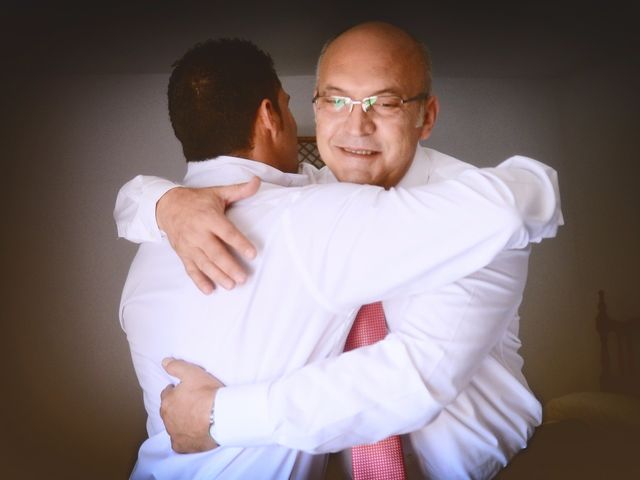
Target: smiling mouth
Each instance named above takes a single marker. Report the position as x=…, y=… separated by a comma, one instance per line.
x=354, y=151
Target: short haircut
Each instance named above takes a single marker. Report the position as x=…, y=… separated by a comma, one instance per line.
x=214, y=93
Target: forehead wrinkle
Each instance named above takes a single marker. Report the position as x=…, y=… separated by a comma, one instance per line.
x=334, y=89
x=370, y=76
x=341, y=92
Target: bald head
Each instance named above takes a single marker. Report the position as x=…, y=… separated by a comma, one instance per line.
x=384, y=42
x=373, y=63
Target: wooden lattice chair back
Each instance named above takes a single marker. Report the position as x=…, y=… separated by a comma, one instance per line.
x=308, y=151
x=622, y=338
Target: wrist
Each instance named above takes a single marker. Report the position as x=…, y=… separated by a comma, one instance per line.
x=212, y=420
x=163, y=206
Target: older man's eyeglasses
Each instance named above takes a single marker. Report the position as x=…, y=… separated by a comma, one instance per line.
x=383, y=105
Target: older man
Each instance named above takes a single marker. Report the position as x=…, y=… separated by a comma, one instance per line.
x=449, y=371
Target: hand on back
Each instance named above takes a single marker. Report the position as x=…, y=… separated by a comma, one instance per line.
x=186, y=407
x=195, y=223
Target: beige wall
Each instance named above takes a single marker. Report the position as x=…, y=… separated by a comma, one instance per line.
x=73, y=403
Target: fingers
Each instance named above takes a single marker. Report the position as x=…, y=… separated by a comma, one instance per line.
x=211, y=262
x=222, y=233
x=202, y=236
x=216, y=275
x=202, y=281
x=229, y=234
x=165, y=391
x=205, y=274
x=220, y=265
x=200, y=266
x=226, y=230
x=180, y=368
x=233, y=193
x=204, y=284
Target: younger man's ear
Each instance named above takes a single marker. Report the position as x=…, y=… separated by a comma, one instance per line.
x=268, y=118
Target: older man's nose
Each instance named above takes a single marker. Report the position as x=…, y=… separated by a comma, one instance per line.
x=359, y=123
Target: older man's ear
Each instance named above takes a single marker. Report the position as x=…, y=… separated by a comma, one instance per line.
x=429, y=117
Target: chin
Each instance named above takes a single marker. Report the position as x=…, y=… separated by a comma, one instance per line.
x=351, y=177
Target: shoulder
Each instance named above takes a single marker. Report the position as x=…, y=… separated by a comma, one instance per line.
x=445, y=166
x=317, y=175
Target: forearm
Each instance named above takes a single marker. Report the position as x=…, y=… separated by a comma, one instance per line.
x=431, y=236
x=320, y=408
x=395, y=386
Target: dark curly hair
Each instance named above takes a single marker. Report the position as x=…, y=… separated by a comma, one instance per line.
x=214, y=93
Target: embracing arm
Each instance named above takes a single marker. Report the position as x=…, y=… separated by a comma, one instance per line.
x=384, y=244
x=198, y=230
x=461, y=226
x=135, y=210
x=193, y=396
x=195, y=224
x=395, y=386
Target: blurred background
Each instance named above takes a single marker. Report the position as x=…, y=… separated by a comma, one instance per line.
x=84, y=110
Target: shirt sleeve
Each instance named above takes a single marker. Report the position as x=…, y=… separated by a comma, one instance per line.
x=461, y=226
x=395, y=386
x=135, y=210
x=374, y=244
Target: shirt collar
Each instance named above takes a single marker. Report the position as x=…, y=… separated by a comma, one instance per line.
x=418, y=174
x=226, y=170
x=419, y=171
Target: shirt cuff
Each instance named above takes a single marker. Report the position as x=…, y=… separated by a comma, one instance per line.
x=135, y=211
x=544, y=215
x=153, y=193
x=241, y=416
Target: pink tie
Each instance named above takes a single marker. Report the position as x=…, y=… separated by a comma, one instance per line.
x=382, y=460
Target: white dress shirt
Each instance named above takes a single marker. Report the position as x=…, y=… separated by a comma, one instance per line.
x=418, y=370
